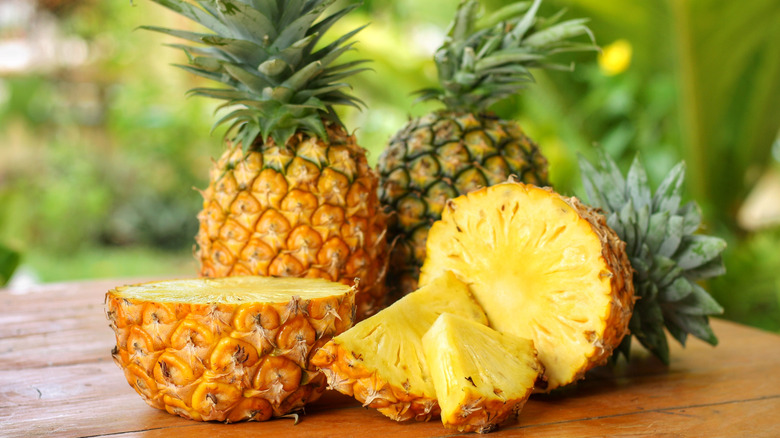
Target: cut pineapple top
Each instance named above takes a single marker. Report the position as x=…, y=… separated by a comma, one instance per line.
x=543, y=267
x=481, y=376
x=232, y=290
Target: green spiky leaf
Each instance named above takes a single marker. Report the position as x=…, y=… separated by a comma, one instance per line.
x=486, y=58
x=666, y=255
x=262, y=52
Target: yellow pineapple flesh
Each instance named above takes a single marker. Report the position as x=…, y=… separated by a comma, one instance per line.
x=482, y=377
x=381, y=361
x=543, y=267
x=303, y=209
x=227, y=349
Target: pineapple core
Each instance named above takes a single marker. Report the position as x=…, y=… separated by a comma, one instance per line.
x=482, y=377
x=542, y=267
x=380, y=361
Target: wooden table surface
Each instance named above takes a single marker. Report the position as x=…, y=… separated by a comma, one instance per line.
x=57, y=379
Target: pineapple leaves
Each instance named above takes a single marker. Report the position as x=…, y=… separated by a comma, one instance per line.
x=196, y=14
x=697, y=250
x=485, y=59
x=263, y=52
x=667, y=257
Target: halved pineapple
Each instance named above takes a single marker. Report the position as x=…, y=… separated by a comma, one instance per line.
x=381, y=362
x=482, y=377
x=227, y=349
x=543, y=267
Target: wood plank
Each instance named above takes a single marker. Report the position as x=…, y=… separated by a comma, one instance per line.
x=37, y=397
x=743, y=418
x=57, y=378
x=65, y=320
x=31, y=312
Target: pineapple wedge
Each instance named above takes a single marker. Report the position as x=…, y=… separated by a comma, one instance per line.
x=227, y=349
x=381, y=361
x=543, y=267
x=482, y=377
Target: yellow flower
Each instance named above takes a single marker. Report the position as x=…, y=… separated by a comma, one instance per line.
x=615, y=58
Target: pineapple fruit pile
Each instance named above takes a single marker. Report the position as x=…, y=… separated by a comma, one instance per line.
x=552, y=279
x=503, y=288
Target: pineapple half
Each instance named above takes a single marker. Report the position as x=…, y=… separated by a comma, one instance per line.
x=381, y=361
x=482, y=377
x=293, y=194
x=543, y=267
x=228, y=349
x=464, y=146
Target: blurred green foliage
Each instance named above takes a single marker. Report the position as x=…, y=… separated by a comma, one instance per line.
x=9, y=261
x=100, y=159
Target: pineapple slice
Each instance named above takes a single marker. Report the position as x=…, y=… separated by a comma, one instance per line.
x=227, y=349
x=482, y=377
x=381, y=362
x=543, y=267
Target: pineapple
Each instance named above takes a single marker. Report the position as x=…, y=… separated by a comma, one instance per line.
x=228, y=349
x=543, y=267
x=381, y=361
x=464, y=146
x=482, y=377
x=669, y=256
x=293, y=194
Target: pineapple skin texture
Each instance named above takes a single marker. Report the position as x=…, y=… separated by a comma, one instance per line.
x=438, y=157
x=307, y=209
x=225, y=362
x=614, y=317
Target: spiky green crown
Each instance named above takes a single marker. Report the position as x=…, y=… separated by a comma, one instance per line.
x=263, y=51
x=485, y=59
x=668, y=258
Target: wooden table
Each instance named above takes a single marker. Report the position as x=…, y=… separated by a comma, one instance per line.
x=57, y=379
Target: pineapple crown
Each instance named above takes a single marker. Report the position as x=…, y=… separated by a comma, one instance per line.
x=486, y=58
x=668, y=258
x=265, y=52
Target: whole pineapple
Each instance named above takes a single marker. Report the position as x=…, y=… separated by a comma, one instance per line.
x=293, y=194
x=463, y=147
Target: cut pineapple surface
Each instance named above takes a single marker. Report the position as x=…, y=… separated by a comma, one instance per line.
x=381, y=361
x=227, y=349
x=232, y=291
x=482, y=377
x=543, y=267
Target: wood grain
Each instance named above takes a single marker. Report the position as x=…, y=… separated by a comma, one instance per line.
x=57, y=379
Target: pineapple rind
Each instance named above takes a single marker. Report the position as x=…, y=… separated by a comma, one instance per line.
x=482, y=377
x=519, y=248
x=381, y=363
x=231, y=360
